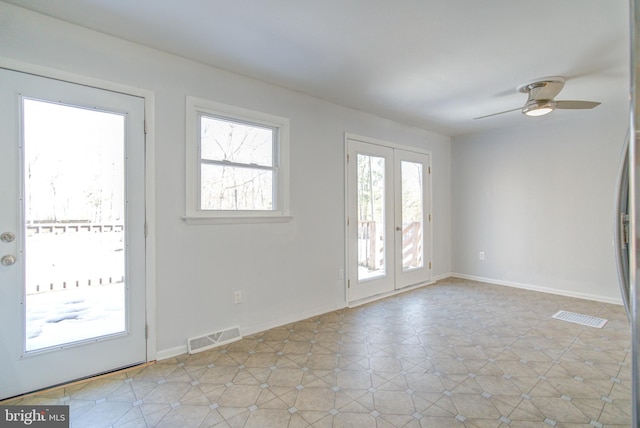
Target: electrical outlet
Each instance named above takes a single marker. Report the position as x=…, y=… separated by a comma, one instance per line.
x=237, y=297
x=481, y=255
x=340, y=273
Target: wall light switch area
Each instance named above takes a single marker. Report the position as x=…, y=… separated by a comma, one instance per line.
x=340, y=273
x=237, y=297
x=481, y=255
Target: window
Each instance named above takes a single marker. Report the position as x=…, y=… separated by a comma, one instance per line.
x=237, y=164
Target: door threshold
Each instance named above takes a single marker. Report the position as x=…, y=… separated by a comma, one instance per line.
x=76, y=382
x=366, y=300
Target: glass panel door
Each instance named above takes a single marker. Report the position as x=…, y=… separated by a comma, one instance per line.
x=412, y=214
x=74, y=248
x=72, y=224
x=370, y=187
x=371, y=216
x=388, y=219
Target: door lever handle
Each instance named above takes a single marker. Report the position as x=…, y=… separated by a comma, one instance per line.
x=8, y=260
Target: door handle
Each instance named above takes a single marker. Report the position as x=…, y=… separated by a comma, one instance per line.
x=7, y=237
x=8, y=260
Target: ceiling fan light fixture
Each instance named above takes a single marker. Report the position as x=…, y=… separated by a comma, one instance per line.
x=536, y=108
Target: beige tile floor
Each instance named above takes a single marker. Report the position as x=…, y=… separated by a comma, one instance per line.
x=457, y=353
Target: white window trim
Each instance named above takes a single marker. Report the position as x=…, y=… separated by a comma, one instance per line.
x=194, y=215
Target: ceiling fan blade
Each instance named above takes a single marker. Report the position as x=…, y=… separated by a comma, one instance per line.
x=576, y=105
x=495, y=114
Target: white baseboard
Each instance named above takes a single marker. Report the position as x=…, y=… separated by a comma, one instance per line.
x=441, y=276
x=171, y=352
x=541, y=289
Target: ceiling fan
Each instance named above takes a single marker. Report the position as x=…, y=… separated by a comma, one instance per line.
x=541, y=101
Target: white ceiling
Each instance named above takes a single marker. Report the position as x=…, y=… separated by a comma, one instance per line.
x=436, y=64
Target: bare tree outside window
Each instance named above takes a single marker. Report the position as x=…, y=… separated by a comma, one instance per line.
x=237, y=168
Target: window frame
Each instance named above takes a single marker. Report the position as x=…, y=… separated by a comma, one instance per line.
x=198, y=107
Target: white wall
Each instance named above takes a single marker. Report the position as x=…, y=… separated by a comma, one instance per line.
x=285, y=271
x=538, y=200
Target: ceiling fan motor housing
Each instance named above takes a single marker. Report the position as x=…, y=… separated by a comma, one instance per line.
x=541, y=94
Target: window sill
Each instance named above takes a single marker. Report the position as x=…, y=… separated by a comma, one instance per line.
x=237, y=220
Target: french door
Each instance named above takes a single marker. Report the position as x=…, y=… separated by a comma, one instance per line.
x=72, y=245
x=388, y=219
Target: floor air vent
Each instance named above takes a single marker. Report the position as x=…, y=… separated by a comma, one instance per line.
x=211, y=340
x=580, y=319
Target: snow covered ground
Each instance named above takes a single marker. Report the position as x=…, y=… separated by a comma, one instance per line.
x=72, y=315
x=61, y=307
x=56, y=260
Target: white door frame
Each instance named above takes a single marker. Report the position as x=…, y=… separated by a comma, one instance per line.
x=350, y=276
x=149, y=115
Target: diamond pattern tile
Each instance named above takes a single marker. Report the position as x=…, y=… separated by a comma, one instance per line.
x=456, y=353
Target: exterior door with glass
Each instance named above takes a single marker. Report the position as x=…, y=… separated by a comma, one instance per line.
x=72, y=244
x=370, y=220
x=412, y=218
x=388, y=219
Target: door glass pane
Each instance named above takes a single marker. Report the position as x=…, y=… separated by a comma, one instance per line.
x=371, y=216
x=412, y=215
x=74, y=205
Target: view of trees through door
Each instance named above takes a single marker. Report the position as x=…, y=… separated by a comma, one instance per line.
x=371, y=213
